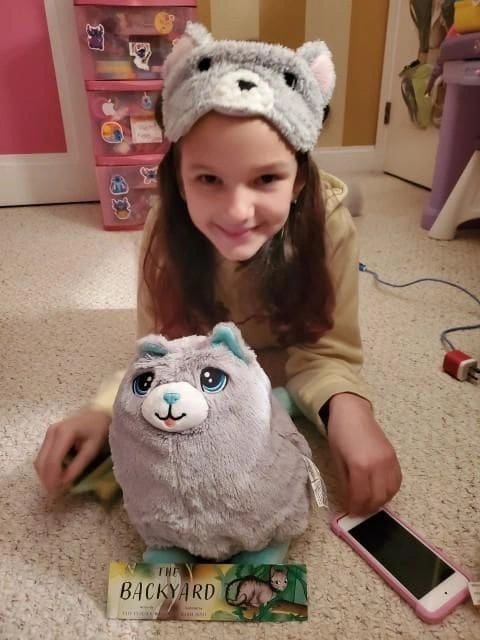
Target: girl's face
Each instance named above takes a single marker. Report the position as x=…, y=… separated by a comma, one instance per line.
x=238, y=178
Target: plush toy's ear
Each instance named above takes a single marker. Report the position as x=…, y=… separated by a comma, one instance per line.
x=319, y=57
x=152, y=346
x=195, y=35
x=228, y=335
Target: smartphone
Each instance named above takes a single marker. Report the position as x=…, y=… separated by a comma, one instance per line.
x=417, y=571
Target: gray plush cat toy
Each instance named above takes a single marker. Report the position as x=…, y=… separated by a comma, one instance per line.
x=208, y=459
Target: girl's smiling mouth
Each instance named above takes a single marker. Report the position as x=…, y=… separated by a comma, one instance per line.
x=236, y=234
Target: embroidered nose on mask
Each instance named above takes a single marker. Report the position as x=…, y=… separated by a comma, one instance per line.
x=245, y=85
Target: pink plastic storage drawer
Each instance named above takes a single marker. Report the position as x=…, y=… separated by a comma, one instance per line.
x=129, y=39
x=128, y=192
x=123, y=118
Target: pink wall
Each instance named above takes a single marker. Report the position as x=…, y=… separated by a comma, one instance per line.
x=30, y=116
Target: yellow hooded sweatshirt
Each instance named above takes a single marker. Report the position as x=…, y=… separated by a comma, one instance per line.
x=313, y=373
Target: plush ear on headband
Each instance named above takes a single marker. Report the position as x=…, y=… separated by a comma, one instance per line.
x=198, y=34
x=195, y=35
x=319, y=57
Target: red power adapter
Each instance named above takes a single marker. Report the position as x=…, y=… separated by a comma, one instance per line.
x=460, y=365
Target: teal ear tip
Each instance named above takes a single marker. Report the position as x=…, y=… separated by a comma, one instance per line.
x=224, y=335
x=153, y=349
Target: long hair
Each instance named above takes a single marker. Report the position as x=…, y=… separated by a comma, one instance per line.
x=294, y=281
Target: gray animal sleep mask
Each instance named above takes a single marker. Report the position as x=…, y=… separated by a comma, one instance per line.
x=239, y=78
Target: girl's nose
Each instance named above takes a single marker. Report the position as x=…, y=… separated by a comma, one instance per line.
x=239, y=208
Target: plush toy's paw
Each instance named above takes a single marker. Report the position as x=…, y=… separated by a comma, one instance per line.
x=273, y=554
x=172, y=555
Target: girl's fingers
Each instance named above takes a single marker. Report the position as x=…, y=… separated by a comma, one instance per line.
x=384, y=483
x=53, y=469
x=85, y=454
x=380, y=493
x=360, y=491
x=41, y=461
x=394, y=480
x=343, y=480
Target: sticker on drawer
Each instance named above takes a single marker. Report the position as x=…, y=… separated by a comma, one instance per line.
x=141, y=53
x=145, y=130
x=149, y=174
x=121, y=208
x=118, y=185
x=95, y=37
x=111, y=132
x=164, y=22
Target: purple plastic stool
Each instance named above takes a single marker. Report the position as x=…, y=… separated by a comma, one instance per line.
x=460, y=127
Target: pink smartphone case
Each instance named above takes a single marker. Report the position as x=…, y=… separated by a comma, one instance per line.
x=421, y=612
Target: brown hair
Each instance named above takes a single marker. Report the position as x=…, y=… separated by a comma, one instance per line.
x=294, y=281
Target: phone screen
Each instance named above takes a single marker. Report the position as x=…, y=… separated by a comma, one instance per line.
x=402, y=554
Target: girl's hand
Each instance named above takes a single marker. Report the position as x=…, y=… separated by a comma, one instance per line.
x=366, y=461
x=86, y=432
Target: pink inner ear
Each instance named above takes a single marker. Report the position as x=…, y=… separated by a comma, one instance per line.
x=324, y=71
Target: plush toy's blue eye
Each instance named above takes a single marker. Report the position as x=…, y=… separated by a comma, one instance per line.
x=213, y=380
x=142, y=383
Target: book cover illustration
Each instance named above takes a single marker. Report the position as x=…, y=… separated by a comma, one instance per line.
x=220, y=592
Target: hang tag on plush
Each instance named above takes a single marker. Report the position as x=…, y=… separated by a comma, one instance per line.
x=317, y=484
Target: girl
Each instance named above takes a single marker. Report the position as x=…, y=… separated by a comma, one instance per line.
x=248, y=230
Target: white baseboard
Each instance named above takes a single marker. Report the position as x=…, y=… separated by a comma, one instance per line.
x=347, y=160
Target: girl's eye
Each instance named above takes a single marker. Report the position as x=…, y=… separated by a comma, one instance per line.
x=213, y=380
x=207, y=179
x=268, y=178
x=142, y=383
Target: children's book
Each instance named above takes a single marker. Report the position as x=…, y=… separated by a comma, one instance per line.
x=220, y=592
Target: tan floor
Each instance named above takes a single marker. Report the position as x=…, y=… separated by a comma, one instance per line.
x=67, y=295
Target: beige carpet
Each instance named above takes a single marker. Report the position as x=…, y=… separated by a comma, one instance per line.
x=67, y=294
